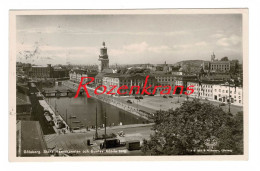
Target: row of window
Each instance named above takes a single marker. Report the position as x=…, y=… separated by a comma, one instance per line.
x=159, y=80
x=239, y=97
x=206, y=90
x=204, y=86
x=232, y=101
x=226, y=91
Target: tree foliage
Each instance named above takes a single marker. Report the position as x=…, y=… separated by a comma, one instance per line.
x=184, y=130
x=137, y=71
x=224, y=59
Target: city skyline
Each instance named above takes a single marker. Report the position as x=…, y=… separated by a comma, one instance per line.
x=130, y=39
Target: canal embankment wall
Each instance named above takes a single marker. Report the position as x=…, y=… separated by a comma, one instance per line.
x=110, y=100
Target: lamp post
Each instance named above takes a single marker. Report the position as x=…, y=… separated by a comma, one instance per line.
x=96, y=125
x=137, y=103
x=105, y=129
x=66, y=117
x=229, y=97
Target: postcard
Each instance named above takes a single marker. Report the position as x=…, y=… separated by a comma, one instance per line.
x=113, y=85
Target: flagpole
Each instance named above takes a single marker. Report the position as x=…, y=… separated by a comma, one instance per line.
x=105, y=129
x=96, y=123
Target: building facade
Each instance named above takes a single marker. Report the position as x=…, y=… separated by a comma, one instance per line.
x=75, y=75
x=165, y=80
x=215, y=65
x=202, y=90
x=119, y=80
x=182, y=80
x=225, y=94
x=41, y=71
x=59, y=72
x=216, y=91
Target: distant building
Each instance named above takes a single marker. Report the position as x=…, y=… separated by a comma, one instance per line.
x=75, y=75
x=177, y=70
x=181, y=80
x=23, y=107
x=59, y=72
x=161, y=67
x=99, y=78
x=215, y=65
x=41, y=71
x=29, y=139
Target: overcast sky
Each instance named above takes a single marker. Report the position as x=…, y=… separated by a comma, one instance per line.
x=130, y=39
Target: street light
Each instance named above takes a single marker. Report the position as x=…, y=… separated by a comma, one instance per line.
x=105, y=129
x=96, y=124
x=229, y=97
x=137, y=103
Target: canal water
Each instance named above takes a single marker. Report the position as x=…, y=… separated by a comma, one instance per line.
x=81, y=112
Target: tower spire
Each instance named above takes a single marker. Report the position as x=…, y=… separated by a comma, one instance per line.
x=103, y=58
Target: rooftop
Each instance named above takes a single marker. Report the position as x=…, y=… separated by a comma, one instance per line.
x=81, y=71
x=22, y=99
x=39, y=66
x=208, y=82
x=116, y=75
x=221, y=62
x=31, y=138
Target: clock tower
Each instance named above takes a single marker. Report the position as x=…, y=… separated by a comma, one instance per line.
x=103, y=58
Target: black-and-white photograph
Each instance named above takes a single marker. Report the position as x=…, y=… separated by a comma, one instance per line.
x=130, y=84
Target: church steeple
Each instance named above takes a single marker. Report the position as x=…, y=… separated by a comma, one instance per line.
x=213, y=57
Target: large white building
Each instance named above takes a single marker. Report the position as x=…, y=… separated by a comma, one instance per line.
x=119, y=80
x=203, y=90
x=215, y=65
x=217, y=92
x=221, y=93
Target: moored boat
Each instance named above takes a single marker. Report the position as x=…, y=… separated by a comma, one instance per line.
x=75, y=121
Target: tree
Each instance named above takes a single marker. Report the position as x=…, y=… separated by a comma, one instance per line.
x=122, y=71
x=224, y=59
x=235, y=69
x=185, y=130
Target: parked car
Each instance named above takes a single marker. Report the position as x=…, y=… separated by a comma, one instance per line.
x=151, y=95
x=129, y=101
x=110, y=143
x=170, y=96
x=141, y=97
x=164, y=96
x=133, y=145
x=136, y=97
